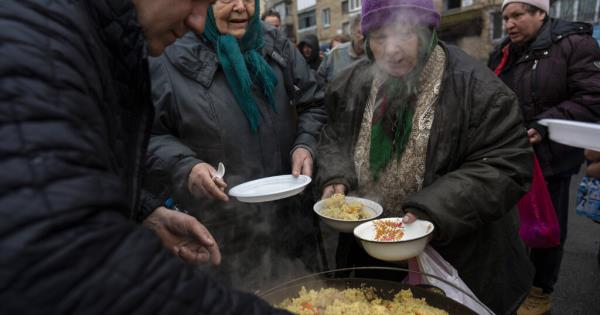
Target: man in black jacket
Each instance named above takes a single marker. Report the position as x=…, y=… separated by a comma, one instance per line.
x=75, y=117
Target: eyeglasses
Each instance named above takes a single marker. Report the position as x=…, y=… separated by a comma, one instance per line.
x=231, y=1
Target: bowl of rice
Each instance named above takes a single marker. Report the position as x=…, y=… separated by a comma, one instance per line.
x=344, y=213
x=391, y=240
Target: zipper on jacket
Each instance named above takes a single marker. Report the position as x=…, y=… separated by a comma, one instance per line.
x=534, y=84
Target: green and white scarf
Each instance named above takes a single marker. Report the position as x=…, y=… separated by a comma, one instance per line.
x=244, y=65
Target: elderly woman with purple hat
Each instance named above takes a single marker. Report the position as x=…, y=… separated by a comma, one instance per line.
x=432, y=134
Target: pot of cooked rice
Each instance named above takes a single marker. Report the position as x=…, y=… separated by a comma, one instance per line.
x=341, y=292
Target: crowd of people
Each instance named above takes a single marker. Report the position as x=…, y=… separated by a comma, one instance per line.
x=116, y=113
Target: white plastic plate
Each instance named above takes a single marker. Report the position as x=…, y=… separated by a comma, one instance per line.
x=270, y=188
x=574, y=133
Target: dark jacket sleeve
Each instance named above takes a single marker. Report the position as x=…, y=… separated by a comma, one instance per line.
x=65, y=246
x=494, y=162
x=308, y=98
x=169, y=161
x=583, y=81
x=345, y=99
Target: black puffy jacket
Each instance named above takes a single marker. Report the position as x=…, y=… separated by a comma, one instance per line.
x=75, y=113
x=555, y=76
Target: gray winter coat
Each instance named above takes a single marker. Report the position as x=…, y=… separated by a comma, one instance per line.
x=199, y=120
x=478, y=165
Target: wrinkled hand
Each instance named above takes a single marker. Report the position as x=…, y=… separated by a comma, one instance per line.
x=302, y=162
x=328, y=191
x=184, y=236
x=203, y=183
x=534, y=136
x=593, y=169
x=409, y=218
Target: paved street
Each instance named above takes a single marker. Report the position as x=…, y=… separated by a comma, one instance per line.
x=578, y=288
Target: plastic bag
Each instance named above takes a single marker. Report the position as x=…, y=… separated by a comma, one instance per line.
x=539, y=225
x=432, y=263
x=588, y=198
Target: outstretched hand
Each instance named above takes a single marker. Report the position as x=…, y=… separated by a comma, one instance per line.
x=409, y=218
x=184, y=236
x=302, y=162
x=534, y=136
x=328, y=191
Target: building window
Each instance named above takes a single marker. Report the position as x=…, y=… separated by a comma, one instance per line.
x=307, y=19
x=345, y=7
x=452, y=4
x=354, y=5
x=566, y=10
x=326, y=17
x=346, y=28
x=586, y=10
x=576, y=10
x=554, y=9
x=496, y=25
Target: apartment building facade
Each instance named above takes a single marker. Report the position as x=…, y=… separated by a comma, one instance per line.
x=475, y=26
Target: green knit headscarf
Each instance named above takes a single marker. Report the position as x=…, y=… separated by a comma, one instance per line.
x=237, y=57
x=394, y=109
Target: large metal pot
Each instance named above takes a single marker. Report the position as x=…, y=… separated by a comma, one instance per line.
x=344, y=278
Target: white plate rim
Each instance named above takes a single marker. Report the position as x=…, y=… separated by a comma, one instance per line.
x=583, y=124
x=232, y=192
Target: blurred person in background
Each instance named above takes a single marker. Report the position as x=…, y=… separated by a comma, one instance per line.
x=554, y=68
x=240, y=94
x=430, y=133
x=344, y=54
x=309, y=47
x=75, y=119
x=338, y=39
x=271, y=17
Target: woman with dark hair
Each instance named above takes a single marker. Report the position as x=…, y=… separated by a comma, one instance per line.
x=430, y=133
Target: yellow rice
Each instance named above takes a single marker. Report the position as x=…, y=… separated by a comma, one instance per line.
x=336, y=207
x=330, y=301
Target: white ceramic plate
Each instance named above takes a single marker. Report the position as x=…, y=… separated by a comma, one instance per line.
x=347, y=226
x=574, y=133
x=413, y=242
x=270, y=188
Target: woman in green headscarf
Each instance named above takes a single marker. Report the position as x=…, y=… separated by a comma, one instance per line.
x=430, y=133
x=240, y=94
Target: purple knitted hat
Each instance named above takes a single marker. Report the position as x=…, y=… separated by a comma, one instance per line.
x=377, y=13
